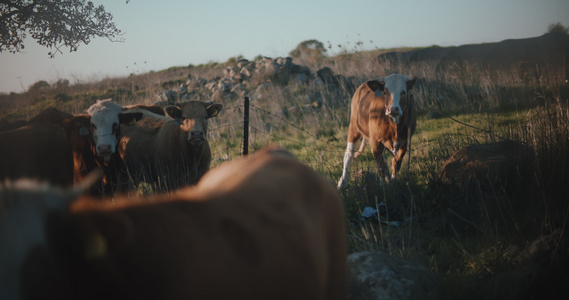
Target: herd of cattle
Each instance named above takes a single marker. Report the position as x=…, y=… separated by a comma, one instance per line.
x=262, y=226
x=61, y=148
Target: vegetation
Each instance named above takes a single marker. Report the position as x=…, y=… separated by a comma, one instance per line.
x=309, y=51
x=53, y=24
x=477, y=255
x=557, y=27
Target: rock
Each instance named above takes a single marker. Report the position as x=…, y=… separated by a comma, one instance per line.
x=225, y=85
x=500, y=164
x=376, y=275
x=169, y=96
x=326, y=75
x=245, y=76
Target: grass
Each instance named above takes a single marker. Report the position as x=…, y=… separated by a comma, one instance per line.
x=454, y=232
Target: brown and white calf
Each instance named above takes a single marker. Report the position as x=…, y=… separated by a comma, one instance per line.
x=381, y=112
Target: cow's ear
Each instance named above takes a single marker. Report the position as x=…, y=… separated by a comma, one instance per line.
x=213, y=110
x=376, y=85
x=174, y=112
x=80, y=124
x=411, y=82
x=129, y=118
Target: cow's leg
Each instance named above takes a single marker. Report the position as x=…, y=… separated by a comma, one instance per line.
x=397, y=160
x=362, y=147
x=348, y=157
x=377, y=151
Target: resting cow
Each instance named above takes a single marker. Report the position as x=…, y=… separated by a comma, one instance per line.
x=36, y=151
x=381, y=112
x=260, y=227
x=171, y=152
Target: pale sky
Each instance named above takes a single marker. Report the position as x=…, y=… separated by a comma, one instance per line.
x=167, y=33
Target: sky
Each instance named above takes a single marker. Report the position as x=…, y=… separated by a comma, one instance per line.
x=167, y=33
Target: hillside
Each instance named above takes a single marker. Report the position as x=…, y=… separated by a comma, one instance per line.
x=531, y=55
x=528, y=59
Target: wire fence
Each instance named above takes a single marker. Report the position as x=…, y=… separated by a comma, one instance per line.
x=325, y=152
x=249, y=111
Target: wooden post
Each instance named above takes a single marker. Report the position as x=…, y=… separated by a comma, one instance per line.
x=246, y=127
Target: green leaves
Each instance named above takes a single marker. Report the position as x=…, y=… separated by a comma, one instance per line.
x=54, y=24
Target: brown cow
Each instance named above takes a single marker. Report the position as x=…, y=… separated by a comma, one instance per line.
x=84, y=131
x=157, y=109
x=260, y=227
x=171, y=152
x=9, y=125
x=51, y=116
x=36, y=151
x=381, y=112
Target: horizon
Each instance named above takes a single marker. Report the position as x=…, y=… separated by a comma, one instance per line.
x=158, y=37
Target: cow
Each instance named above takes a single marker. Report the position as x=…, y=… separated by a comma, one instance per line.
x=51, y=116
x=156, y=109
x=264, y=226
x=94, y=139
x=96, y=136
x=381, y=112
x=173, y=151
x=36, y=151
x=9, y=125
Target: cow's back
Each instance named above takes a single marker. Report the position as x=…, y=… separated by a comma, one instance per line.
x=137, y=147
x=365, y=105
x=51, y=116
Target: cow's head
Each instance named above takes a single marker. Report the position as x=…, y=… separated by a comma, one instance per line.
x=192, y=117
x=394, y=89
x=106, y=116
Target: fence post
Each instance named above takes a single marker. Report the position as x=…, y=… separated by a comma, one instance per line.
x=246, y=127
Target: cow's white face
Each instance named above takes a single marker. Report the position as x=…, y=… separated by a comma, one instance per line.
x=105, y=127
x=395, y=88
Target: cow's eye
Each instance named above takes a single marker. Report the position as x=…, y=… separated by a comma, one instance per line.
x=403, y=93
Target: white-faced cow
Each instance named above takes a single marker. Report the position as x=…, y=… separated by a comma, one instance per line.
x=106, y=117
x=95, y=137
x=260, y=227
x=173, y=151
x=381, y=112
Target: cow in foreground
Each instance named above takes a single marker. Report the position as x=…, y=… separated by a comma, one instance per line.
x=260, y=227
x=170, y=151
x=382, y=112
